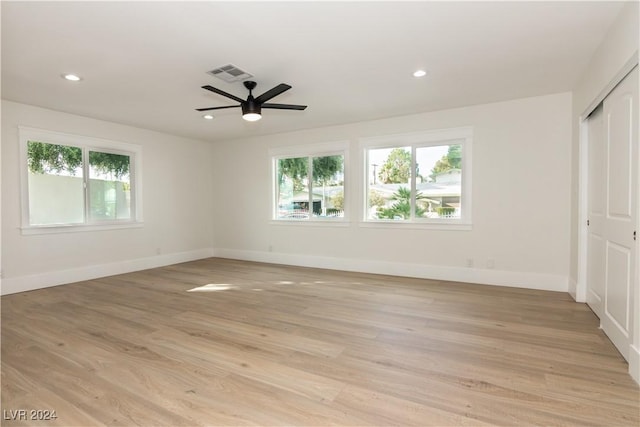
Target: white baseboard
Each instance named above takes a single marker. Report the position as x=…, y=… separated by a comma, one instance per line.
x=527, y=280
x=634, y=363
x=547, y=282
x=11, y=285
x=573, y=289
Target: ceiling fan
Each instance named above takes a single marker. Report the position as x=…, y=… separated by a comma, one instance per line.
x=252, y=107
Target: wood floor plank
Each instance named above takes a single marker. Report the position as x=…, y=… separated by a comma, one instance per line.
x=391, y=410
x=227, y=342
x=237, y=360
x=262, y=336
x=91, y=394
x=249, y=398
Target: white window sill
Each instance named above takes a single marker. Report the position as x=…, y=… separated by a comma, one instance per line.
x=311, y=223
x=54, y=229
x=432, y=225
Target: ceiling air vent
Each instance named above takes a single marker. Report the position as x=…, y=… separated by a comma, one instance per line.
x=229, y=73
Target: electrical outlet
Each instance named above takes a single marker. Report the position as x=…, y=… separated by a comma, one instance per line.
x=491, y=263
x=469, y=262
x=270, y=248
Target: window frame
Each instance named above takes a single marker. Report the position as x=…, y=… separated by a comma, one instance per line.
x=338, y=148
x=457, y=136
x=86, y=144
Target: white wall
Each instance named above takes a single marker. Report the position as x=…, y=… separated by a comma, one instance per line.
x=618, y=46
x=177, y=207
x=614, y=54
x=523, y=222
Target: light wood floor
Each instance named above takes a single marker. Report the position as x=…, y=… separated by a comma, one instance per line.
x=274, y=345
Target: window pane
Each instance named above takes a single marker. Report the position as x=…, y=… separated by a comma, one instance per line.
x=328, y=186
x=293, y=188
x=56, y=194
x=109, y=186
x=389, y=183
x=439, y=181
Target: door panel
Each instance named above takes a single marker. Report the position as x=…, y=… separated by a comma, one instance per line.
x=619, y=111
x=595, y=273
x=618, y=270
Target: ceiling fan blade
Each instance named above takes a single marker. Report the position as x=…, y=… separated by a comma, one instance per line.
x=273, y=92
x=284, y=106
x=223, y=93
x=217, y=108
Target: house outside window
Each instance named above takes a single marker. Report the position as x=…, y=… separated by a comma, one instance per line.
x=419, y=178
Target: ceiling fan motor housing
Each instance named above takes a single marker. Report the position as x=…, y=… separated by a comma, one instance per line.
x=250, y=106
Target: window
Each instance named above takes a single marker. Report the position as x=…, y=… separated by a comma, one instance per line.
x=419, y=178
x=78, y=181
x=309, y=187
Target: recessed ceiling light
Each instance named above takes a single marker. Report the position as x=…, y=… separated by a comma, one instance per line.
x=419, y=73
x=207, y=117
x=71, y=77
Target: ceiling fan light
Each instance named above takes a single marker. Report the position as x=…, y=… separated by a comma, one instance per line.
x=251, y=117
x=251, y=110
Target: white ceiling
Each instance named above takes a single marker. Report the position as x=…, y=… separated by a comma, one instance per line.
x=143, y=63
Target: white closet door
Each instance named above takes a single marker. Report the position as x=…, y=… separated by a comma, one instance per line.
x=618, y=244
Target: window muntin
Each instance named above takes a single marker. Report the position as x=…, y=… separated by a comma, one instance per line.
x=418, y=178
x=77, y=181
x=309, y=187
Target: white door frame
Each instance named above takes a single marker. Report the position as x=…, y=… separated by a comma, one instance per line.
x=583, y=200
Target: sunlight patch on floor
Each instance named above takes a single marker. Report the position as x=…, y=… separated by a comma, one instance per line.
x=212, y=287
